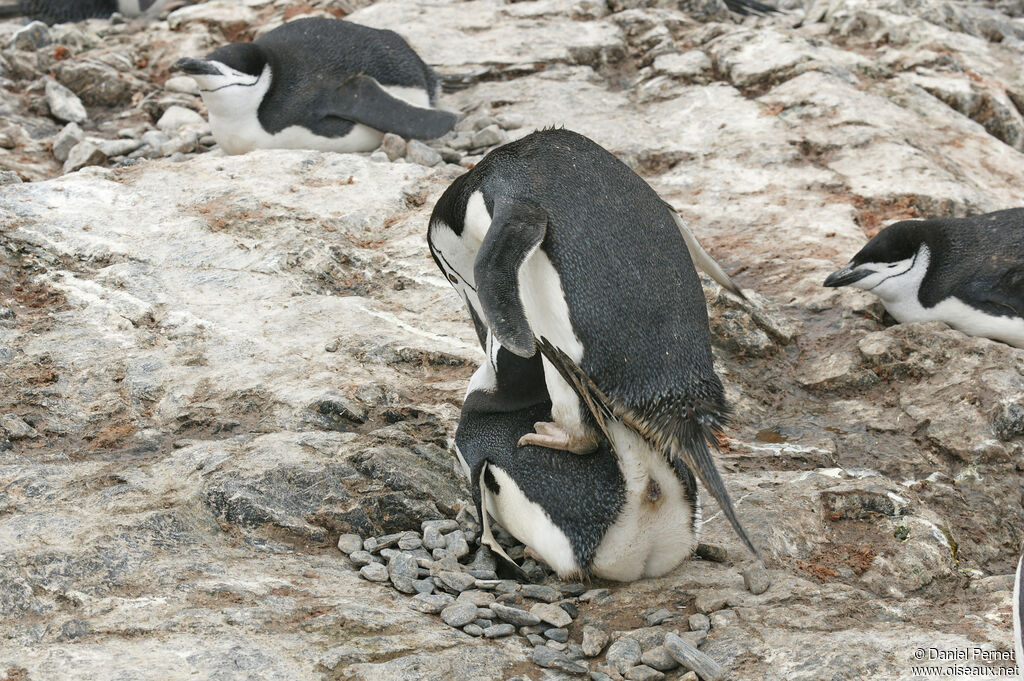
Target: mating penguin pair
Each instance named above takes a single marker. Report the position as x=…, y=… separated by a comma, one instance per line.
x=558, y=247
x=317, y=83
x=967, y=272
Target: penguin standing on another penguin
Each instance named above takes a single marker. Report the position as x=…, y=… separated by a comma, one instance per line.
x=615, y=515
x=555, y=245
x=317, y=83
x=967, y=272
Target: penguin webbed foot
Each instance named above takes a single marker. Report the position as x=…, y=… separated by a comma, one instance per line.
x=553, y=436
x=506, y=568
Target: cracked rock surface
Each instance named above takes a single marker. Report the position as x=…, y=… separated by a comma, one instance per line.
x=214, y=367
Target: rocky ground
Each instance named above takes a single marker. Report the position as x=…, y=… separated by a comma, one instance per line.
x=212, y=368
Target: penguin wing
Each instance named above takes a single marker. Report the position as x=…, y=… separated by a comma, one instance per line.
x=702, y=258
x=363, y=100
x=1000, y=289
x=515, y=232
x=668, y=426
x=480, y=495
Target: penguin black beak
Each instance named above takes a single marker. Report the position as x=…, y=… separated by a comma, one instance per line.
x=846, y=276
x=196, y=67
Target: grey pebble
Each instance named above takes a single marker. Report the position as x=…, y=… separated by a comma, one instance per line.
x=482, y=574
x=712, y=552
x=409, y=543
x=575, y=651
x=431, y=603
x=572, y=589
x=506, y=586
x=658, y=658
x=499, y=631
x=403, y=571
x=486, y=612
x=520, y=618
x=374, y=572
x=659, y=616
x=556, y=645
x=560, y=635
x=691, y=658
x=362, y=558
x=546, y=657
x=481, y=122
x=9, y=177
x=420, y=153
x=723, y=619
x=756, y=579
x=83, y=154
x=65, y=140
x=644, y=673
x=535, y=639
x=64, y=104
x=443, y=525
x=599, y=676
x=459, y=615
x=552, y=614
x=349, y=543
x=473, y=630
x=456, y=544
x=445, y=563
x=483, y=622
x=699, y=622
x=623, y=655
x=392, y=145
x=389, y=540
x=595, y=595
x=481, y=599
x=509, y=121
x=423, y=586
x=370, y=543
x=488, y=137
x=388, y=554
x=594, y=641
x=539, y=592
x=33, y=36
x=432, y=538
x=456, y=581
x=710, y=602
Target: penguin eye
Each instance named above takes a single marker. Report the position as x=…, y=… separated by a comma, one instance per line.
x=452, y=278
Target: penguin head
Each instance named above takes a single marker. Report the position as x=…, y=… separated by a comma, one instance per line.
x=231, y=77
x=453, y=249
x=892, y=265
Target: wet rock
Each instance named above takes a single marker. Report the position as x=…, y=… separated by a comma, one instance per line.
x=64, y=104
x=756, y=579
x=32, y=36
x=459, y=614
x=623, y=654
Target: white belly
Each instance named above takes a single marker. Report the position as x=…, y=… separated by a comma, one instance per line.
x=648, y=539
x=960, y=316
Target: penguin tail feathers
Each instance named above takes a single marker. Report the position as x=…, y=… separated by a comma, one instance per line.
x=701, y=258
x=679, y=428
x=11, y=11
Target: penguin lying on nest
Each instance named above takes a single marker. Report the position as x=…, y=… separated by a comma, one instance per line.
x=559, y=249
x=967, y=272
x=317, y=83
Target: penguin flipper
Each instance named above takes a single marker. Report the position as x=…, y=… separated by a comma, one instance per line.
x=363, y=100
x=516, y=231
x=701, y=258
x=486, y=536
x=670, y=427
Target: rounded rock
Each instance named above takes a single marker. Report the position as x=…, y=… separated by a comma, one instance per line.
x=623, y=655
x=374, y=572
x=349, y=543
x=459, y=615
x=756, y=579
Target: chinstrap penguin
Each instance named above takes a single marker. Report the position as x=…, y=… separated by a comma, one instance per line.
x=61, y=11
x=967, y=272
x=554, y=244
x=619, y=515
x=318, y=83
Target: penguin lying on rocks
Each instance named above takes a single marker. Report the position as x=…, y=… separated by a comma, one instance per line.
x=318, y=83
x=62, y=11
x=967, y=272
x=615, y=515
x=555, y=245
